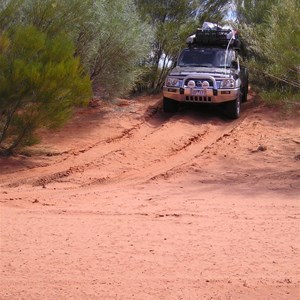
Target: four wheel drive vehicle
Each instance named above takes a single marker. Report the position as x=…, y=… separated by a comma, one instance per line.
x=208, y=71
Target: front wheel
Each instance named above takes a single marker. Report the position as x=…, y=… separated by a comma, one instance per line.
x=245, y=93
x=169, y=105
x=233, y=108
x=245, y=82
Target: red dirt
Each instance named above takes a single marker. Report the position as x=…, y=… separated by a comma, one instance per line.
x=126, y=202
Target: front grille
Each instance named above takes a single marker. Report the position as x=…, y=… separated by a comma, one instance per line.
x=197, y=99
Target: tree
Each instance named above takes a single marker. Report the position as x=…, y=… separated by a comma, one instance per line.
x=40, y=83
x=42, y=76
x=109, y=36
x=111, y=50
x=252, y=12
x=9, y=13
x=274, y=41
x=213, y=10
x=280, y=43
x=172, y=22
x=108, y=50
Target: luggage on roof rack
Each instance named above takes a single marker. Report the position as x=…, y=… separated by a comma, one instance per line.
x=214, y=35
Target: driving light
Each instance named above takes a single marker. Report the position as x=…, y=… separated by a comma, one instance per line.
x=205, y=85
x=191, y=84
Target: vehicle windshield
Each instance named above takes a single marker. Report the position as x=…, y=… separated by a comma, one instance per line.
x=206, y=57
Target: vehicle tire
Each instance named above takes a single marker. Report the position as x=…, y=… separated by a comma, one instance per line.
x=169, y=105
x=245, y=83
x=245, y=94
x=233, y=108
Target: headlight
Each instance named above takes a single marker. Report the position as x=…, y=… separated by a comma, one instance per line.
x=172, y=81
x=227, y=84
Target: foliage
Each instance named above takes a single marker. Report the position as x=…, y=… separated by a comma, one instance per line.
x=280, y=43
x=213, y=10
x=111, y=51
x=109, y=36
x=40, y=82
x=274, y=43
x=54, y=16
x=251, y=12
x=172, y=22
x=108, y=50
x=9, y=13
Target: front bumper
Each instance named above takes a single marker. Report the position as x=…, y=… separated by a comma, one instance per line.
x=213, y=94
x=201, y=96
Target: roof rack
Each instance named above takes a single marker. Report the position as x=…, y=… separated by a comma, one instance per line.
x=215, y=37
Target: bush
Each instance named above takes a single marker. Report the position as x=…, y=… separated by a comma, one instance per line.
x=40, y=83
x=109, y=36
x=112, y=44
x=274, y=44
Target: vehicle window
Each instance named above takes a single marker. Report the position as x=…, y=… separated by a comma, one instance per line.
x=206, y=58
x=220, y=59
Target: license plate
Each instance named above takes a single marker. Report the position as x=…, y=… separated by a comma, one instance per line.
x=198, y=92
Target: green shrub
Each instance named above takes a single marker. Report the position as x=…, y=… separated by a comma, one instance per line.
x=40, y=83
x=109, y=36
x=112, y=44
x=273, y=40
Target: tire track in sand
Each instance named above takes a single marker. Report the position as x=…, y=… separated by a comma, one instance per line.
x=133, y=155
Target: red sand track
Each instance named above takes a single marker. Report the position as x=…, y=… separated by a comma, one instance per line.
x=127, y=202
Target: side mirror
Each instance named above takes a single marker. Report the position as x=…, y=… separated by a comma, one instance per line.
x=234, y=64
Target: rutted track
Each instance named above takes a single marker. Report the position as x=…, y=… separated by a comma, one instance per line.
x=132, y=154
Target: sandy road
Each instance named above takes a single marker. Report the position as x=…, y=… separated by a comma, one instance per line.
x=147, y=140
x=130, y=203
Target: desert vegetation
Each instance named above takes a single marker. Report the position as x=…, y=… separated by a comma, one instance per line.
x=272, y=34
